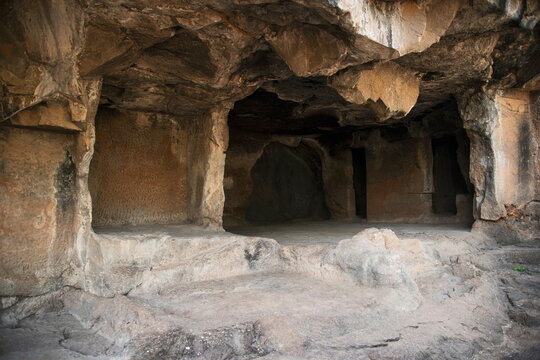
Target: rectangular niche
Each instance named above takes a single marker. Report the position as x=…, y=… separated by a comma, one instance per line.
x=359, y=181
x=139, y=171
x=448, y=180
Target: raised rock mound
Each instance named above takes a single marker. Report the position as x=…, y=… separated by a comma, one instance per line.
x=375, y=294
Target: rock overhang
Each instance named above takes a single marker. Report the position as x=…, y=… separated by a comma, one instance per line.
x=184, y=59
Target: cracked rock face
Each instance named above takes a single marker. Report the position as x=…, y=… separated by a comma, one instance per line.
x=390, y=89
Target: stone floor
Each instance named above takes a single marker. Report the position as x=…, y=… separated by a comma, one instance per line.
x=467, y=303
x=310, y=232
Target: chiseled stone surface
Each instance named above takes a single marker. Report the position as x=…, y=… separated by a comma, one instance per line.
x=140, y=177
x=37, y=190
x=504, y=145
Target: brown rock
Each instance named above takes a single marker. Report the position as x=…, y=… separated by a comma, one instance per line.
x=309, y=50
x=389, y=89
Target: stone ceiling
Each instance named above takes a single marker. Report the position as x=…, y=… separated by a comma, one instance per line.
x=363, y=62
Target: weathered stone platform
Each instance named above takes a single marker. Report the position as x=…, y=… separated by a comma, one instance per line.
x=437, y=291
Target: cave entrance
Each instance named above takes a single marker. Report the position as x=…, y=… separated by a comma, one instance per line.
x=359, y=181
x=448, y=180
x=286, y=163
x=287, y=185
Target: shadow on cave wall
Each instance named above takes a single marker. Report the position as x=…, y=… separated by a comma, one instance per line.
x=360, y=181
x=287, y=185
x=447, y=177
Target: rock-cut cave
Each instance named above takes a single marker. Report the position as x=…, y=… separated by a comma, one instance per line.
x=275, y=179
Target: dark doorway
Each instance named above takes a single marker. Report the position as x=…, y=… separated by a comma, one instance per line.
x=447, y=178
x=359, y=180
x=287, y=185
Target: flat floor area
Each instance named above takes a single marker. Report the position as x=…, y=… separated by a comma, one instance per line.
x=293, y=232
x=179, y=231
x=200, y=293
x=310, y=232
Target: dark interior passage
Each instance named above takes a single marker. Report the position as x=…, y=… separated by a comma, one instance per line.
x=447, y=178
x=287, y=184
x=359, y=180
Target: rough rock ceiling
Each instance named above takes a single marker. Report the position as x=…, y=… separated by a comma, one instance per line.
x=183, y=58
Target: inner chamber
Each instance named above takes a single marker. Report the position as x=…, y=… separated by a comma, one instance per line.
x=287, y=185
x=286, y=164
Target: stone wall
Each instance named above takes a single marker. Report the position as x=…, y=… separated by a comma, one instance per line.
x=503, y=150
x=139, y=174
x=153, y=168
x=516, y=148
x=338, y=183
x=208, y=141
x=47, y=113
x=243, y=152
x=535, y=114
x=504, y=161
x=287, y=185
x=399, y=182
x=37, y=191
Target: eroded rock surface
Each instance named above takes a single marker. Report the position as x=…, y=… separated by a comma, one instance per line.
x=391, y=90
x=280, y=303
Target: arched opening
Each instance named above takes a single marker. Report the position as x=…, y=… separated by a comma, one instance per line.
x=287, y=185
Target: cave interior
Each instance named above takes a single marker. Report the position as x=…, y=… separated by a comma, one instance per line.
x=285, y=178
x=288, y=160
